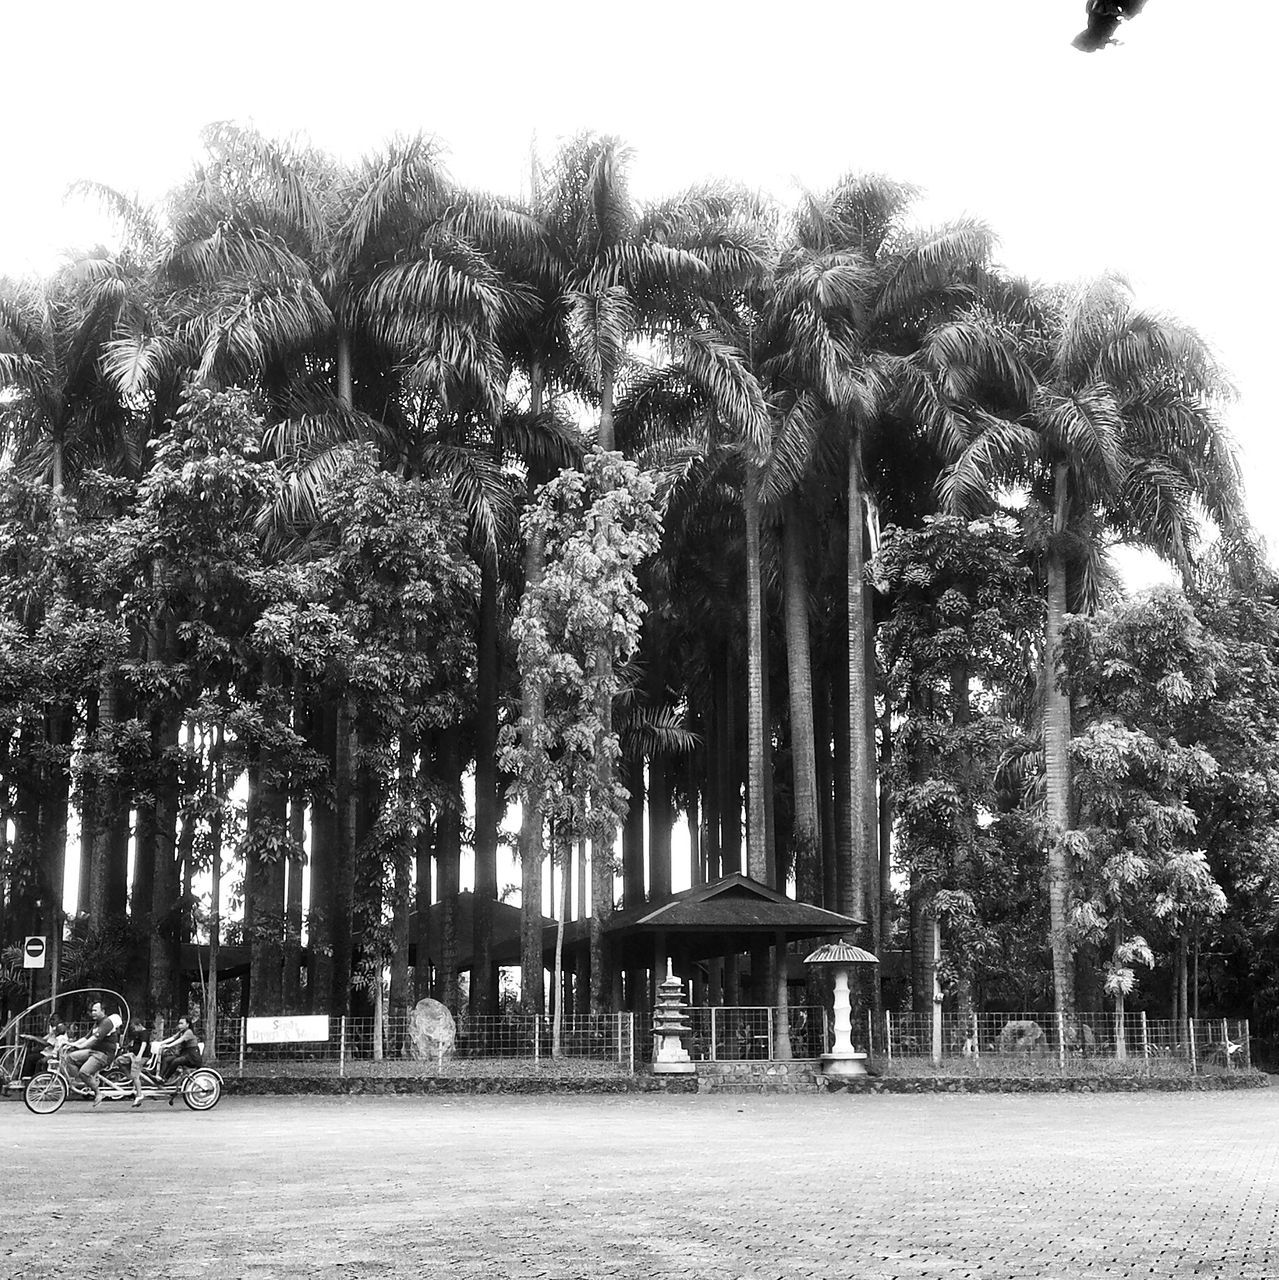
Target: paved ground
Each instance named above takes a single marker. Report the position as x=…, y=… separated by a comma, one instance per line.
x=714, y=1187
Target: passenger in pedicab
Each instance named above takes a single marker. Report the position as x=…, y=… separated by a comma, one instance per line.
x=179, y=1050
x=88, y=1055
x=42, y=1051
x=137, y=1050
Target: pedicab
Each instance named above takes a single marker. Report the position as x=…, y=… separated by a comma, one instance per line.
x=200, y=1087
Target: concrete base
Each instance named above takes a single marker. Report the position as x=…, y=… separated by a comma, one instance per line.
x=843, y=1064
x=675, y=1068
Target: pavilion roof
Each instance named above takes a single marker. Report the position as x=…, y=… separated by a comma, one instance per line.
x=734, y=904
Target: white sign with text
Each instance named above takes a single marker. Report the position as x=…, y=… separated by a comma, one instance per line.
x=286, y=1030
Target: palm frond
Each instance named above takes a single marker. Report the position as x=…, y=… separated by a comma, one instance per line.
x=482, y=490
x=793, y=446
x=719, y=370
x=136, y=220
x=1084, y=426
x=134, y=362
x=999, y=453
x=599, y=326
x=929, y=263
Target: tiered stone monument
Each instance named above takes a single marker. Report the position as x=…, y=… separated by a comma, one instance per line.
x=670, y=1026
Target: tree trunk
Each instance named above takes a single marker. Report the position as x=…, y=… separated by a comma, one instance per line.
x=826, y=790
x=166, y=897
x=324, y=856
x=448, y=859
x=807, y=834
x=660, y=820
x=886, y=835
x=757, y=860
x=292, y=962
x=532, y=848
x=484, y=974
x=217, y=785
x=422, y=889
x=343, y=864
x=633, y=832
x=1057, y=733
x=861, y=694
x=402, y=904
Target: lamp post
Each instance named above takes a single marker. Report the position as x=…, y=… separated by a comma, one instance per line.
x=843, y=1059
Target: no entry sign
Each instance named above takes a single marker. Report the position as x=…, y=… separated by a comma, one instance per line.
x=33, y=952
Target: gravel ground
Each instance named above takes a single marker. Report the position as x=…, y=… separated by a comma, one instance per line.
x=713, y=1187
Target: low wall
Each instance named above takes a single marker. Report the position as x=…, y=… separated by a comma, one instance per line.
x=737, y=1077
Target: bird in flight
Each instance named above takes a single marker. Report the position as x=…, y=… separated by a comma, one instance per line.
x=1104, y=17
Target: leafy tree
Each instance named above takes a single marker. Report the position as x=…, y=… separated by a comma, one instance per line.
x=956, y=646
x=597, y=526
x=1105, y=415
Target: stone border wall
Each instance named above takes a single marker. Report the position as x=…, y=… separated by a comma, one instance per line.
x=735, y=1078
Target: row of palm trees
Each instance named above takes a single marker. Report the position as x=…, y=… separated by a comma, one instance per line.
x=798, y=378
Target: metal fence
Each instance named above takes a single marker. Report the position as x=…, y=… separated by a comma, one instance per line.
x=752, y=1032
x=1053, y=1038
x=1032, y=1041
x=595, y=1038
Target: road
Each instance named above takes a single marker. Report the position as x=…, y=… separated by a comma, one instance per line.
x=709, y=1187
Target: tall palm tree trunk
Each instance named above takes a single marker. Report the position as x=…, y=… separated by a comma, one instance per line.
x=758, y=864
x=1057, y=731
x=484, y=975
x=860, y=693
x=807, y=836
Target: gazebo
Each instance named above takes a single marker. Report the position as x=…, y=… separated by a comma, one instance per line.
x=732, y=916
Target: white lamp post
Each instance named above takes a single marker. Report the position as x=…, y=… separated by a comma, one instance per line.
x=843, y=1059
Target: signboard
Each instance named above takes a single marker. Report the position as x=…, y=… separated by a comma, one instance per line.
x=33, y=952
x=286, y=1030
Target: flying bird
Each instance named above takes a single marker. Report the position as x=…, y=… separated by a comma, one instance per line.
x=1104, y=17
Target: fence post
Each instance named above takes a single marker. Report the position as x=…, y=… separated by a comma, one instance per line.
x=888, y=1033
x=1145, y=1037
x=630, y=1020
x=342, y=1046
x=1225, y=1041
x=1194, y=1057
x=976, y=1038
x=714, y=1035
x=537, y=1038
x=244, y=1035
x=1246, y=1027
x=1061, y=1040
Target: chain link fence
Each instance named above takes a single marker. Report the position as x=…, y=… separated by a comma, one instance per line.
x=602, y=1041
x=1027, y=1042
x=1052, y=1039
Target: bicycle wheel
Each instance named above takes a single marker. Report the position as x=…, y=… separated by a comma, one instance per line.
x=45, y=1093
x=202, y=1089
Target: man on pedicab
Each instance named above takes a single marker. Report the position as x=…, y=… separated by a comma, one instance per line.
x=87, y=1056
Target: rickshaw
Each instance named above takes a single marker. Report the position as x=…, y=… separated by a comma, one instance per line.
x=46, y=1091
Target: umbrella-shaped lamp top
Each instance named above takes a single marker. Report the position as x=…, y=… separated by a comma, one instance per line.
x=840, y=953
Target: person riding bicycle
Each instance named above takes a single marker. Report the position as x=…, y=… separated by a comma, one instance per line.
x=87, y=1056
x=136, y=1052
x=181, y=1049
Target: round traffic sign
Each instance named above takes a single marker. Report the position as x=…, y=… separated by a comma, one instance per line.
x=33, y=952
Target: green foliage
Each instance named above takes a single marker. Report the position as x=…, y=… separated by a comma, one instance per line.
x=957, y=650
x=575, y=628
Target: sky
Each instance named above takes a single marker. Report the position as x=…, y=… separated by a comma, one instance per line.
x=1152, y=158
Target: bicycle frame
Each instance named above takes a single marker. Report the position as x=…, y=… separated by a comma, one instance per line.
x=198, y=1087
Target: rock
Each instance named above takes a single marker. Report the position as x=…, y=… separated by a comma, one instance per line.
x=432, y=1032
x=1022, y=1036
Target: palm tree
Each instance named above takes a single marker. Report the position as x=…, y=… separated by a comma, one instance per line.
x=1104, y=415
x=853, y=289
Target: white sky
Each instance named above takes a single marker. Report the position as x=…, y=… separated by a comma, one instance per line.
x=1156, y=158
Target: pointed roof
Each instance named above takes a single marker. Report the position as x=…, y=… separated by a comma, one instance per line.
x=734, y=904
